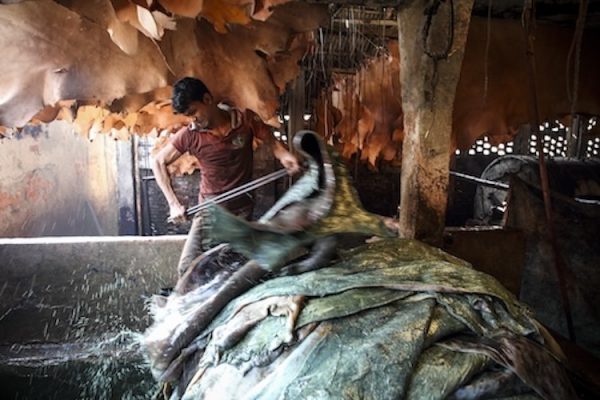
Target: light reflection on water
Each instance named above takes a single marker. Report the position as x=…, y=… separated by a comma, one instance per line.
x=113, y=368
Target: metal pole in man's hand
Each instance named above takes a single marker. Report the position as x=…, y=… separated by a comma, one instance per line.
x=233, y=193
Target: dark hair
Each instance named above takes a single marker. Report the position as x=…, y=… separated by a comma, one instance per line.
x=187, y=90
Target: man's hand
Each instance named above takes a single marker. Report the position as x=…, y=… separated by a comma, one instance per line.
x=177, y=213
x=287, y=159
x=290, y=163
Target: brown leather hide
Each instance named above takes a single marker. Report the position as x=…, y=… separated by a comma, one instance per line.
x=50, y=53
x=220, y=12
x=185, y=8
x=382, y=104
x=370, y=106
x=62, y=56
x=247, y=66
x=499, y=113
x=369, y=101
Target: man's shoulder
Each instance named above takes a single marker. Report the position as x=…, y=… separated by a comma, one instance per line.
x=185, y=133
x=187, y=138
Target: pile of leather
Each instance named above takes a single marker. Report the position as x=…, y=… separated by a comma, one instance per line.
x=392, y=318
x=107, y=65
x=362, y=112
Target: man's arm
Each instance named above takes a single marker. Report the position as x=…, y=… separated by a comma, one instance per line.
x=265, y=134
x=164, y=157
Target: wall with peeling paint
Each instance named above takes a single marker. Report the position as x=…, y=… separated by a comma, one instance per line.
x=55, y=182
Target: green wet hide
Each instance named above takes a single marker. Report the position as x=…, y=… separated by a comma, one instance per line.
x=271, y=240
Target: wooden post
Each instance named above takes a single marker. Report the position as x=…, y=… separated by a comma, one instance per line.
x=432, y=36
x=522, y=139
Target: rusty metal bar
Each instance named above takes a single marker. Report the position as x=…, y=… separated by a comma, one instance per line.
x=481, y=181
x=236, y=192
x=559, y=263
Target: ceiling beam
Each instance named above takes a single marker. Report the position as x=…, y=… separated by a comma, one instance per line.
x=375, y=22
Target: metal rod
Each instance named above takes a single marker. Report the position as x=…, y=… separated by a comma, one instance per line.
x=528, y=19
x=587, y=201
x=137, y=184
x=484, y=182
x=245, y=188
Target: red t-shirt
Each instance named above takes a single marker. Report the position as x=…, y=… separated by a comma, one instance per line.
x=225, y=162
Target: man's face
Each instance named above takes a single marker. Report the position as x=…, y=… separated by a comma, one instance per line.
x=200, y=111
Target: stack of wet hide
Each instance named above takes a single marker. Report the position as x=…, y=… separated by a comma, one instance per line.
x=282, y=309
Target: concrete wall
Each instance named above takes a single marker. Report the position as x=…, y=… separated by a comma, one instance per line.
x=493, y=250
x=577, y=228
x=61, y=290
x=55, y=182
x=67, y=289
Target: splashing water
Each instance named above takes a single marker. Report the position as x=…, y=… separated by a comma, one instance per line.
x=112, y=368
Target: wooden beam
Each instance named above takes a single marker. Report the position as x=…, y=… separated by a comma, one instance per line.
x=521, y=140
x=431, y=41
x=575, y=136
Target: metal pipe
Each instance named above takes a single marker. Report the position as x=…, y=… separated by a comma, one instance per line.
x=528, y=19
x=137, y=185
x=484, y=182
x=245, y=188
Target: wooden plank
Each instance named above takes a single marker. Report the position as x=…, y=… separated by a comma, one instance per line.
x=431, y=52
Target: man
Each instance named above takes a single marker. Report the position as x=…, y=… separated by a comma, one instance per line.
x=221, y=138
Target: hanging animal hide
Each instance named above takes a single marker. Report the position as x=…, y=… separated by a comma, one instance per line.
x=491, y=96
